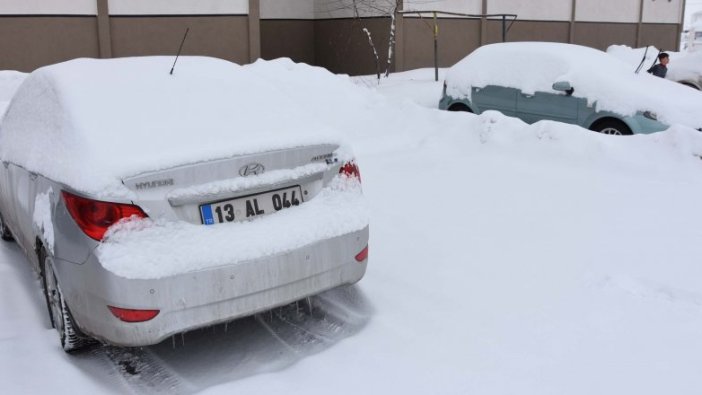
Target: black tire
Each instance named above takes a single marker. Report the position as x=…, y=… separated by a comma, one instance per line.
x=611, y=127
x=693, y=86
x=460, y=107
x=5, y=233
x=72, y=339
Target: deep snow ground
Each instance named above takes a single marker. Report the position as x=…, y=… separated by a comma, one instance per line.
x=505, y=259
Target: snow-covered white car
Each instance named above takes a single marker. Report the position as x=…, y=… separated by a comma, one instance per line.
x=568, y=83
x=152, y=204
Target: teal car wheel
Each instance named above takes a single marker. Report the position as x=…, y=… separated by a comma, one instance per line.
x=460, y=107
x=612, y=127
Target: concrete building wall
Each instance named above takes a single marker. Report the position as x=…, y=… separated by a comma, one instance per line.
x=622, y=11
x=288, y=38
x=178, y=7
x=541, y=10
x=287, y=30
x=219, y=36
x=297, y=9
x=660, y=35
x=529, y=30
x=335, y=9
x=44, y=7
x=599, y=35
x=341, y=46
x=459, y=6
x=29, y=42
x=457, y=38
x=663, y=11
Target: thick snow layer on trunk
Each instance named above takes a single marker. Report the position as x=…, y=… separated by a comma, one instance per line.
x=144, y=249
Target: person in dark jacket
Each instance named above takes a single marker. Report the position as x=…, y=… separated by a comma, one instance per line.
x=660, y=69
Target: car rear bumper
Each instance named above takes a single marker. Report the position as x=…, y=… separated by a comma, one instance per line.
x=192, y=300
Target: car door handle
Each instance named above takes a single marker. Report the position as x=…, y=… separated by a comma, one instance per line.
x=33, y=176
x=527, y=96
x=5, y=164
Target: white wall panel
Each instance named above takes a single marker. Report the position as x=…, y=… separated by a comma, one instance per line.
x=48, y=7
x=325, y=9
x=287, y=9
x=662, y=11
x=608, y=10
x=460, y=6
x=177, y=7
x=541, y=10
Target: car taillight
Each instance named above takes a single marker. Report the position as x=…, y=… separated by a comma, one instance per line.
x=363, y=255
x=350, y=169
x=131, y=315
x=95, y=217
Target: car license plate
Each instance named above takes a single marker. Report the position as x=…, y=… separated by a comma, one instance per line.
x=250, y=206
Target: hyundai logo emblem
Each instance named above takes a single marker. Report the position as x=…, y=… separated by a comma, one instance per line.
x=252, y=169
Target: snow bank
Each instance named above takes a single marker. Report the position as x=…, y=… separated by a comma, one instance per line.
x=145, y=249
x=122, y=117
x=608, y=83
x=413, y=85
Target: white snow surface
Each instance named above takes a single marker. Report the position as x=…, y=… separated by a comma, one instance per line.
x=506, y=258
x=115, y=116
x=143, y=249
x=606, y=82
x=42, y=218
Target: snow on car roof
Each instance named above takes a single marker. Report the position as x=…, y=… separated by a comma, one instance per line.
x=89, y=123
x=606, y=82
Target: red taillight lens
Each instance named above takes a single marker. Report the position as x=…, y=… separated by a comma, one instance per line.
x=131, y=315
x=363, y=255
x=95, y=217
x=351, y=170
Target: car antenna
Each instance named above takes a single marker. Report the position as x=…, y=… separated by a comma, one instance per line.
x=180, y=49
x=642, y=60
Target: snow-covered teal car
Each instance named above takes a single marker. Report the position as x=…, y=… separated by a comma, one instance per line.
x=567, y=83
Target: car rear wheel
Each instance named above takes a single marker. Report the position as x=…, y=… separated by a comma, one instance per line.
x=460, y=107
x=59, y=314
x=611, y=127
x=5, y=233
x=691, y=85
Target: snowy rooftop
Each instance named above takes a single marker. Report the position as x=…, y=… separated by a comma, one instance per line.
x=609, y=83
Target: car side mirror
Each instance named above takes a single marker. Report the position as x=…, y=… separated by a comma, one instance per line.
x=562, y=86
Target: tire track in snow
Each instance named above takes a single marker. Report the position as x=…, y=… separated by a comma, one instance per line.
x=144, y=373
x=266, y=342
